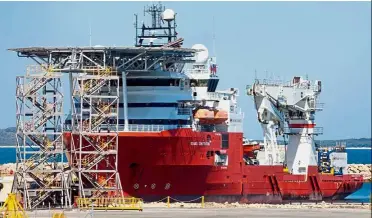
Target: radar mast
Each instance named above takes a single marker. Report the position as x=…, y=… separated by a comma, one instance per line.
x=162, y=32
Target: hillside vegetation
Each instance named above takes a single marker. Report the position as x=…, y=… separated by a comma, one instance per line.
x=7, y=136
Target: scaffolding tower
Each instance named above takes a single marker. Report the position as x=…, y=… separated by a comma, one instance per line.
x=94, y=129
x=91, y=135
x=40, y=176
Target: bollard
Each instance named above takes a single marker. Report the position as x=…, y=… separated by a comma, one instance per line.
x=168, y=202
x=202, y=203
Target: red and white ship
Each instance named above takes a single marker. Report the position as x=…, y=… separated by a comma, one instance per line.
x=181, y=137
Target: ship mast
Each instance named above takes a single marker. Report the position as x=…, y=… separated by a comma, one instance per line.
x=162, y=30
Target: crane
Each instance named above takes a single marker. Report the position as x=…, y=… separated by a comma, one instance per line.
x=288, y=110
x=272, y=123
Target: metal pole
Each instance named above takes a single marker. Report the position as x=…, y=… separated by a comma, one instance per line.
x=125, y=100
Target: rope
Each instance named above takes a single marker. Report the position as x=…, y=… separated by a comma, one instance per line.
x=185, y=201
x=156, y=201
x=176, y=200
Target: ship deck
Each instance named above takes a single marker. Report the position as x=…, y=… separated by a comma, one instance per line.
x=46, y=51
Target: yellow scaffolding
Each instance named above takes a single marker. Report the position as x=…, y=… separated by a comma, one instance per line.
x=110, y=203
x=12, y=208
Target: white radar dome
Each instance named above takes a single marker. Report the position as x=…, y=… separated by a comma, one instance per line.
x=201, y=56
x=168, y=15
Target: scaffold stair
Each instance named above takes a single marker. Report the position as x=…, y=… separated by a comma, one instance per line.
x=42, y=196
x=37, y=85
x=93, y=86
x=90, y=160
x=97, y=122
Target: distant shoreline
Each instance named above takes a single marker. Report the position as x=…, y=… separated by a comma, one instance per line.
x=358, y=148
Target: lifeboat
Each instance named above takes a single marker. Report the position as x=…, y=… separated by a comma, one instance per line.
x=205, y=116
x=220, y=116
x=249, y=149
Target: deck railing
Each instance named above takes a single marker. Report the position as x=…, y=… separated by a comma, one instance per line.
x=315, y=130
x=197, y=71
x=217, y=96
x=142, y=128
x=133, y=128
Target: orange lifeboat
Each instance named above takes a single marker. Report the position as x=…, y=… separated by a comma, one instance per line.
x=205, y=116
x=249, y=149
x=220, y=116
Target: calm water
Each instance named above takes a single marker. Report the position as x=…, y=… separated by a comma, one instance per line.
x=362, y=195
x=359, y=156
x=355, y=156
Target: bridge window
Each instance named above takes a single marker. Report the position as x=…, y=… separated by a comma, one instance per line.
x=199, y=82
x=225, y=141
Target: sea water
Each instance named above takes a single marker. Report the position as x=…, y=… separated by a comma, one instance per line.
x=360, y=156
x=362, y=195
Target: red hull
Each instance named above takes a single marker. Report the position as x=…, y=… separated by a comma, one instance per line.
x=175, y=163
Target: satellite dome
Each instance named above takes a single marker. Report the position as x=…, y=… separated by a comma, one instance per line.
x=168, y=15
x=201, y=56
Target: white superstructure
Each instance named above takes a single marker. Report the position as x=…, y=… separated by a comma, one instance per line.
x=167, y=98
x=289, y=109
x=162, y=88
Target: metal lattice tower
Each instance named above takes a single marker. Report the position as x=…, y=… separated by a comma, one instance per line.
x=92, y=151
x=94, y=141
x=40, y=174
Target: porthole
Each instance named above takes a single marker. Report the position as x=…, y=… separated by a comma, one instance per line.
x=167, y=186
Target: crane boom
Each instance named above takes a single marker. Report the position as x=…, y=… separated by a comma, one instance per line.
x=272, y=122
x=288, y=109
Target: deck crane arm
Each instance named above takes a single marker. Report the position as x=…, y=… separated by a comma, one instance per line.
x=272, y=122
x=293, y=104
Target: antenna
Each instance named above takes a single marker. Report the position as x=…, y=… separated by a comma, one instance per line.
x=214, y=38
x=162, y=20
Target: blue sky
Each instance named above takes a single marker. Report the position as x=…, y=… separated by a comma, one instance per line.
x=329, y=41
